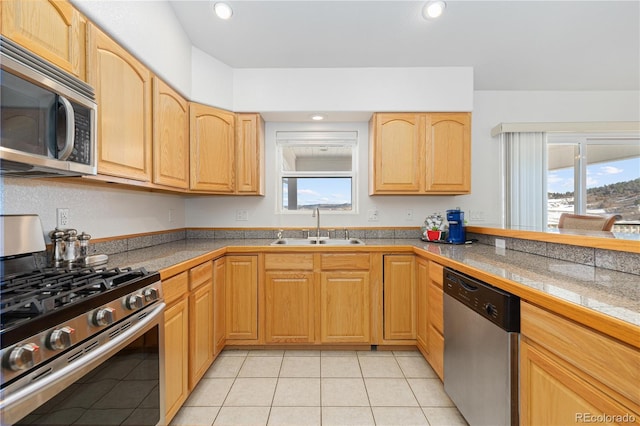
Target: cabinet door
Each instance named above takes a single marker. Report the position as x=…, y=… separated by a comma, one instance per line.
x=170, y=136
x=552, y=394
x=176, y=332
x=396, y=154
x=52, y=29
x=289, y=306
x=399, y=297
x=200, y=322
x=241, y=296
x=422, y=303
x=219, y=332
x=212, y=135
x=249, y=154
x=344, y=307
x=448, y=153
x=123, y=92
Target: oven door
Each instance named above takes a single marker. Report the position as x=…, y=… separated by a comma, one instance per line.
x=120, y=381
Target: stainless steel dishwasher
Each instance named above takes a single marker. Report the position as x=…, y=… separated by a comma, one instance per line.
x=481, y=330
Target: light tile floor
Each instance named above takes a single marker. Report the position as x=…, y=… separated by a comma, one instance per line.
x=295, y=387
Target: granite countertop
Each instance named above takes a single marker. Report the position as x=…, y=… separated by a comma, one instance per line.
x=612, y=293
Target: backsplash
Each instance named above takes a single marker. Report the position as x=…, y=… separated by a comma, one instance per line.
x=601, y=258
x=607, y=259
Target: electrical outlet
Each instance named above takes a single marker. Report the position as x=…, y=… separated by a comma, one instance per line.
x=408, y=215
x=171, y=215
x=62, y=216
x=242, y=215
x=372, y=215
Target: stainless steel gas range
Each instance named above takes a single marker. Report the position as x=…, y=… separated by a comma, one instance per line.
x=78, y=345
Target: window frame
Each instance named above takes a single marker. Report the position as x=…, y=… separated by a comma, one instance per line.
x=582, y=141
x=316, y=138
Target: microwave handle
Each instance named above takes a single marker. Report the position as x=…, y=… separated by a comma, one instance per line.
x=66, y=151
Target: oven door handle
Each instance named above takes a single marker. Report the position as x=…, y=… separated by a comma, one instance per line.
x=17, y=405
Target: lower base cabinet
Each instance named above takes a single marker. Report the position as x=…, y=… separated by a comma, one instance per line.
x=176, y=343
x=571, y=375
x=241, y=299
x=201, y=324
x=344, y=307
x=435, y=328
x=289, y=307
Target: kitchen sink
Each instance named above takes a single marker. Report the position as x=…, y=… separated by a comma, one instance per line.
x=314, y=242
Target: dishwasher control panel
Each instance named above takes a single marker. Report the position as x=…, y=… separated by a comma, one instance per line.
x=494, y=304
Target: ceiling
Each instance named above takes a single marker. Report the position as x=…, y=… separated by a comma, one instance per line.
x=511, y=45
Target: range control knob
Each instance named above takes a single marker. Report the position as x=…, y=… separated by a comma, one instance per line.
x=135, y=301
x=23, y=357
x=61, y=338
x=151, y=294
x=104, y=316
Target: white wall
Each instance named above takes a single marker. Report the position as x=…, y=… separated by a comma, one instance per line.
x=211, y=80
x=353, y=89
x=103, y=211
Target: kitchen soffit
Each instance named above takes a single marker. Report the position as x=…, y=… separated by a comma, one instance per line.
x=512, y=45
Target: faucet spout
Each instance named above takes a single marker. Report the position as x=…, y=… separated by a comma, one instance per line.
x=316, y=214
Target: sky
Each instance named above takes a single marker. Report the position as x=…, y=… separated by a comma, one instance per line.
x=600, y=174
x=322, y=191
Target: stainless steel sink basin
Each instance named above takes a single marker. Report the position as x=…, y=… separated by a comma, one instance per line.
x=313, y=242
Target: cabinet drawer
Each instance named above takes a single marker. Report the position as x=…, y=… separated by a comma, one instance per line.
x=345, y=262
x=175, y=287
x=436, y=317
x=288, y=262
x=607, y=360
x=435, y=273
x=200, y=274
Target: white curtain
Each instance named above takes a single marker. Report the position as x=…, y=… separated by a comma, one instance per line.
x=525, y=180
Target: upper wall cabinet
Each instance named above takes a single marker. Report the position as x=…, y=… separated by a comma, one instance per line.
x=123, y=92
x=170, y=136
x=51, y=29
x=212, y=135
x=420, y=153
x=249, y=154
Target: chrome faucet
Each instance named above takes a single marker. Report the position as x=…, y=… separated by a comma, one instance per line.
x=316, y=214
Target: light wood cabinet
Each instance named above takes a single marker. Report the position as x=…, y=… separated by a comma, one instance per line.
x=212, y=142
x=448, y=153
x=289, y=298
x=241, y=296
x=345, y=298
x=420, y=153
x=123, y=93
x=289, y=316
x=570, y=374
x=176, y=346
x=170, y=136
x=249, y=154
x=52, y=29
x=435, y=319
x=201, y=323
x=399, y=297
x=219, y=284
x=422, y=304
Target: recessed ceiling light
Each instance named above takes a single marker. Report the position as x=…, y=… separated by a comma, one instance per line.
x=317, y=117
x=433, y=9
x=223, y=10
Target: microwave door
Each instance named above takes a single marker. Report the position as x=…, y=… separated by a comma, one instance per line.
x=27, y=117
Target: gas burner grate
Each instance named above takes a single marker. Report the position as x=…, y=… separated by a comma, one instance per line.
x=29, y=295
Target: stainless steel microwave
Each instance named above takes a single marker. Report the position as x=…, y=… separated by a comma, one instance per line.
x=47, y=118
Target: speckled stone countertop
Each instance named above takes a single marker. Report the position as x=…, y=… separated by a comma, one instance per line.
x=608, y=292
